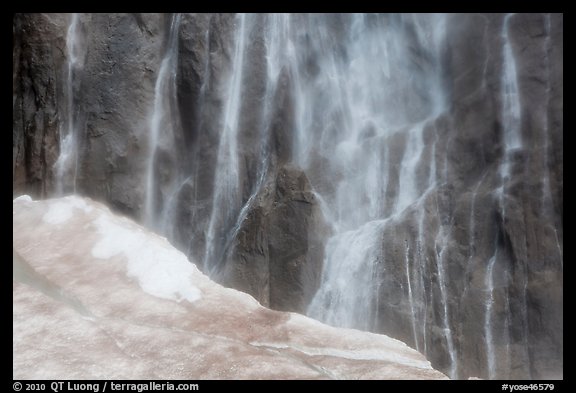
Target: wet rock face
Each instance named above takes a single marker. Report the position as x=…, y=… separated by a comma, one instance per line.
x=278, y=253
x=530, y=231
x=523, y=229
x=39, y=41
x=297, y=231
x=112, y=97
x=434, y=270
x=122, y=58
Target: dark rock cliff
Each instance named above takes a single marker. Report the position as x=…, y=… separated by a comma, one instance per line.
x=471, y=274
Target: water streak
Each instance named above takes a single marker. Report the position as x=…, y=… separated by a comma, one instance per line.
x=353, y=256
x=226, y=185
x=411, y=297
x=161, y=122
x=360, y=130
x=441, y=249
x=66, y=166
x=489, y=305
x=511, y=115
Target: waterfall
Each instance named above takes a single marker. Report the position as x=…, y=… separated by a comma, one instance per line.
x=226, y=199
x=66, y=166
x=369, y=122
x=441, y=270
x=510, y=103
x=422, y=295
x=162, y=123
x=352, y=257
x=547, y=203
x=512, y=142
x=408, y=144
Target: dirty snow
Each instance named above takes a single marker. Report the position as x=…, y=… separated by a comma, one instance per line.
x=160, y=269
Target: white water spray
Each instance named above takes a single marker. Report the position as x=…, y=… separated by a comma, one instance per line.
x=66, y=166
x=161, y=123
x=226, y=184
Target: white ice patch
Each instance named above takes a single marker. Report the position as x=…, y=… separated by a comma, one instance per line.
x=358, y=354
x=160, y=269
x=62, y=210
x=23, y=198
x=79, y=203
x=58, y=213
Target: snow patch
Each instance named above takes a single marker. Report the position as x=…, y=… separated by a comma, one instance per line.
x=23, y=198
x=160, y=269
x=62, y=210
x=58, y=213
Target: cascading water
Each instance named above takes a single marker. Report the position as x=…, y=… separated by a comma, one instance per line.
x=489, y=283
x=224, y=223
x=364, y=127
x=162, y=124
x=547, y=204
x=441, y=270
x=351, y=258
x=411, y=297
x=226, y=183
x=417, y=199
x=510, y=103
x=66, y=167
x=512, y=142
x=364, y=123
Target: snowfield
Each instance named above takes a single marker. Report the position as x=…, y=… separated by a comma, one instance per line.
x=96, y=296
